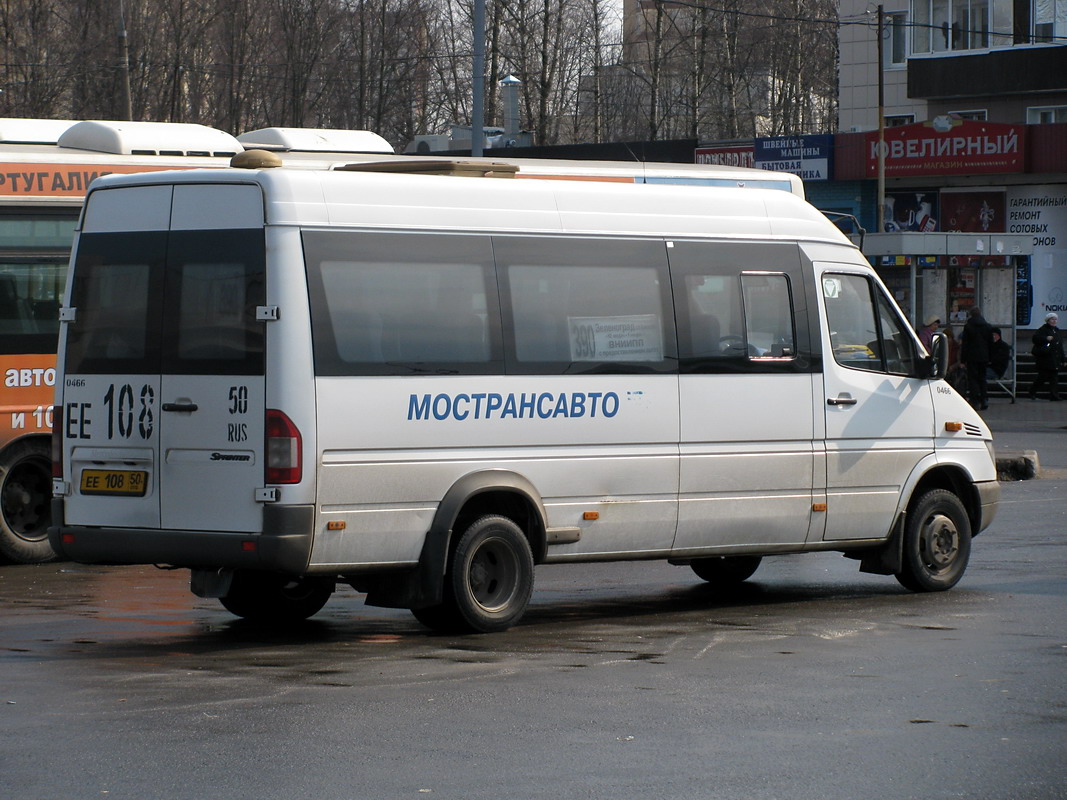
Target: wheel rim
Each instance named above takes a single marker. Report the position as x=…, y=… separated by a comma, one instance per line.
x=939, y=543
x=25, y=497
x=493, y=574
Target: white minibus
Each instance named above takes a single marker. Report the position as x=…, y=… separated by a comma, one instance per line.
x=424, y=385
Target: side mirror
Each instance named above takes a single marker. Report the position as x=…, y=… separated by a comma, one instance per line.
x=938, y=359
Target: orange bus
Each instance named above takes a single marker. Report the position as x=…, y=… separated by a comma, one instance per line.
x=46, y=167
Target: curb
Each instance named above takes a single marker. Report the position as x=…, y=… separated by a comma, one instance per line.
x=1017, y=465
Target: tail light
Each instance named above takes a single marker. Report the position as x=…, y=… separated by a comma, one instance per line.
x=57, y=442
x=284, y=463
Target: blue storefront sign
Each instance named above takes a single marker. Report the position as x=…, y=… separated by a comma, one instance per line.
x=810, y=157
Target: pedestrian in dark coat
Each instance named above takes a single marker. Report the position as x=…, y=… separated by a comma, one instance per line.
x=976, y=347
x=1048, y=356
x=999, y=357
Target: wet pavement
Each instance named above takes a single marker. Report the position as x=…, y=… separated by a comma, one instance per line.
x=628, y=680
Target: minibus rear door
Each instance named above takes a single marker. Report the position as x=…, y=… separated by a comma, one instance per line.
x=212, y=403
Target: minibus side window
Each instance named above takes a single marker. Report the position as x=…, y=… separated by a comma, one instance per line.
x=400, y=304
x=769, y=319
x=579, y=306
x=713, y=326
x=865, y=331
x=741, y=308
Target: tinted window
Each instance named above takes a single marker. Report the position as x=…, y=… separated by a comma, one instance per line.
x=215, y=281
x=575, y=306
x=395, y=304
x=735, y=316
x=769, y=318
x=183, y=303
x=865, y=331
x=117, y=292
x=30, y=293
x=34, y=250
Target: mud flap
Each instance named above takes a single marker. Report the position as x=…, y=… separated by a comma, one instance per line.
x=421, y=587
x=889, y=558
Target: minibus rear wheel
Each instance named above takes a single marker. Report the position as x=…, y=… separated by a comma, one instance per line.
x=489, y=580
x=726, y=570
x=271, y=597
x=937, y=543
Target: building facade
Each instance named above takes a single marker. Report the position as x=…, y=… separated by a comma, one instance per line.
x=975, y=111
x=996, y=60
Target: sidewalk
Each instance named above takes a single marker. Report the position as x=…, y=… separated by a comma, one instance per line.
x=1030, y=436
x=1025, y=414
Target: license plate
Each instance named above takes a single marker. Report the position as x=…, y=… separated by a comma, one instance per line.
x=129, y=483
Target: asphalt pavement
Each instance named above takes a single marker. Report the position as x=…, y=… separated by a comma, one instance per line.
x=1028, y=429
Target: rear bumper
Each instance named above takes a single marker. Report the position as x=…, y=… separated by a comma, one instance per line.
x=283, y=546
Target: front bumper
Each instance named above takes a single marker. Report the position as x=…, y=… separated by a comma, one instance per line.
x=988, y=502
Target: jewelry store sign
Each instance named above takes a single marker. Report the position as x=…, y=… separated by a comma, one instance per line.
x=947, y=146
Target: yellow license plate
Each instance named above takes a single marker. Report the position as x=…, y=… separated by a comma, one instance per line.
x=130, y=483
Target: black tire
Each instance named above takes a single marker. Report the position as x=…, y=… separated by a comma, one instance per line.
x=726, y=570
x=270, y=597
x=441, y=618
x=937, y=543
x=488, y=582
x=25, y=498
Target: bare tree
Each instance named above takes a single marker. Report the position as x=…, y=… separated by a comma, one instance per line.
x=689, y=68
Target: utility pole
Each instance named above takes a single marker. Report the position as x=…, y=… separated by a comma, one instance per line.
x=881, y=120
x=125, y=102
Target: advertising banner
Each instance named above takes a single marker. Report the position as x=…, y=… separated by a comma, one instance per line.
x=1041, y=212
x=725, y=156
x=810, y=157
x=947, y=146
x=59, y=180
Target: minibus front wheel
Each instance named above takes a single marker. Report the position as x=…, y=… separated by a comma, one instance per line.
x=937, y=543
x=489, y=579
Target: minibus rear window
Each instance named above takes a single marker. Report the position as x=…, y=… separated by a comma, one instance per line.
x=118, y=284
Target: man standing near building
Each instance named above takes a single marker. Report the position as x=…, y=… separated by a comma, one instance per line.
x=976, y=347
x=1048, y=355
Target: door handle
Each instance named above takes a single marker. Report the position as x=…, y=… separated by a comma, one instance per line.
x=841, y=400
x=180, y=406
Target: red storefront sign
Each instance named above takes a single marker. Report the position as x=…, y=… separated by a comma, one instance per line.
x=726, y=156
x=947, y=146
